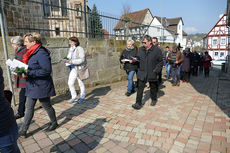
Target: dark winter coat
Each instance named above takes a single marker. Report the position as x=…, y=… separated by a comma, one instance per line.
x=186, y=66
x=150, y=63
x=195, y=59
x=20, y=82
x=39, y=82
x=7, y=119
x=129, y=54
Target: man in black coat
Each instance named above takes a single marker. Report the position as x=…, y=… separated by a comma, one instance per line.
x=150, y=64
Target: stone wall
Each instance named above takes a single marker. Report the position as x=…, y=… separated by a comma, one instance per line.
x=102, y=57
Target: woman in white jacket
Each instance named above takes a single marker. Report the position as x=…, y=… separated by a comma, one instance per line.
x=77, y=61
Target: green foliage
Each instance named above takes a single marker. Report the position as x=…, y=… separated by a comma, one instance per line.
x=96, y=24
x=197, y=48
x=20, y=71
x=197, y=36
x=66, y=58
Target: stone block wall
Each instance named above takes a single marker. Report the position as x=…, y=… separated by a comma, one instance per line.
x=102, y=57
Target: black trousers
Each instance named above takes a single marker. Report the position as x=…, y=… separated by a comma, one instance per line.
x=195, y=71
x=206, y=72
x=153, y=90
x=22, y=101
x=186, y=76
x=160, y=77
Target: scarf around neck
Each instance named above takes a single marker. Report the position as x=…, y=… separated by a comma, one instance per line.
x=29, y=53
x=129, y=49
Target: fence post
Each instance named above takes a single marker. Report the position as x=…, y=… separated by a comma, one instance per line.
x=6, y=54
x=86, y=31
x=4, y=17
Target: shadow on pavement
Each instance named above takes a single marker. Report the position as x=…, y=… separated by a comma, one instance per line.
x=215, y=87
x=92, y=100
x=160, y=93
x=84, y=139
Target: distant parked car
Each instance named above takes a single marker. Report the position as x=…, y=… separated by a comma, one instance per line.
x=218, y=62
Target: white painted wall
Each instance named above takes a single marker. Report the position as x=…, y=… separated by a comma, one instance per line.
x=155, y=30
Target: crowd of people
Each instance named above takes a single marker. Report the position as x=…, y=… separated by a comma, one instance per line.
x=147, y=63
x=149, y=60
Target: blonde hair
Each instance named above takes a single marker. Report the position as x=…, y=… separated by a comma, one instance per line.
x=130, y=40
x=34, y=36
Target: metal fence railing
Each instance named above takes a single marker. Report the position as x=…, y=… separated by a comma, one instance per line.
x=54, y=18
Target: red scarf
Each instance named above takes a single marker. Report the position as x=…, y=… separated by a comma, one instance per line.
x=29, y=53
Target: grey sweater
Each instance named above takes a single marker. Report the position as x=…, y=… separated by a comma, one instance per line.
x=7, y=119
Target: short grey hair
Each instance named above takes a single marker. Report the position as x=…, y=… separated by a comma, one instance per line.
x=18, y=40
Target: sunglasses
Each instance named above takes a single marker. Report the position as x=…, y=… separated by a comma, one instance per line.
x=144, y=42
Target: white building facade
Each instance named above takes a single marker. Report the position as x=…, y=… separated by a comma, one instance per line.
x=217, y=40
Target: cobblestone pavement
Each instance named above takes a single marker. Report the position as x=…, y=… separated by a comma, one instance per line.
x=191, y=118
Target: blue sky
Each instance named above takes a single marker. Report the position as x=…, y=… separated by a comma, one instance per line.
x=199, y=16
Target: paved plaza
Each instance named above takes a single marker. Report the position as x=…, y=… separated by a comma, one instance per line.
x=191, y=118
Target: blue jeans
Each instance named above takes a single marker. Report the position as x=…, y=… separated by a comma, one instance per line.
x=167, y=68
x=130, y=75
x=8, y=143
x=175, y=75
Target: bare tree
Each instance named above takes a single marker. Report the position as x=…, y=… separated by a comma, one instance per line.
x=126, y=18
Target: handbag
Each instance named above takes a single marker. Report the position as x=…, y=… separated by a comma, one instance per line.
x=83, y=73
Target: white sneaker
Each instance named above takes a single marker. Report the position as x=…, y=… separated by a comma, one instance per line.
x=72, y=100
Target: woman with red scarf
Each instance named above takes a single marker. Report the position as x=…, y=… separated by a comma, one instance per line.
x=39, y=83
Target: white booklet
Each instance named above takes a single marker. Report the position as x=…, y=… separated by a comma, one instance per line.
x=16, y=63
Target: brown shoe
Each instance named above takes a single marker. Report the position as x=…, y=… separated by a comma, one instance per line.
x=178, y=84
x=173, y=84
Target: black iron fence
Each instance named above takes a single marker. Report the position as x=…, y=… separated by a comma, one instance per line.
x=53, y=18
x=57, y=18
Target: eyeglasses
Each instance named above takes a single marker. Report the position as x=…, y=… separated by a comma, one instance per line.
x=143, y=42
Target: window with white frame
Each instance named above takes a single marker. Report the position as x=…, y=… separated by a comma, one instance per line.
x=214, y=41
x=223, y=41
x=221, y=54
x=216, y=53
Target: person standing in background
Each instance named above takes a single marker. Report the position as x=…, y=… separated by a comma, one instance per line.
x=167, y=65
x=77, y=61
x=175, y=59
x=17, y=43
x=130, y=66
x=156, y=43
x=186, y=66
x=206, y=63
